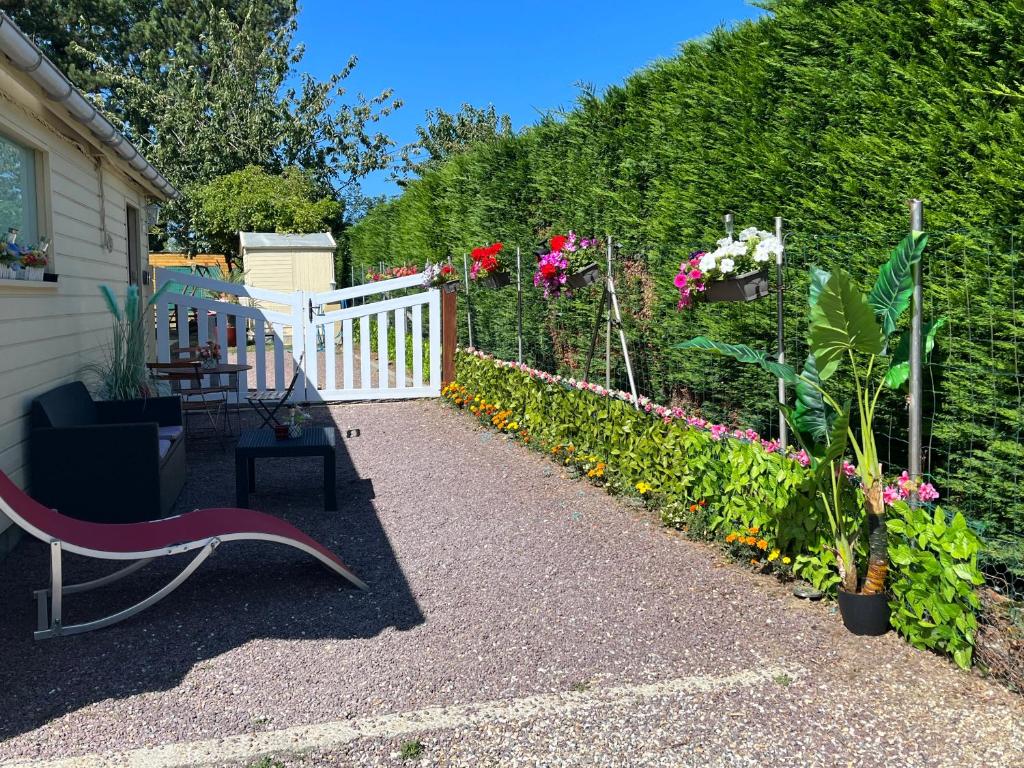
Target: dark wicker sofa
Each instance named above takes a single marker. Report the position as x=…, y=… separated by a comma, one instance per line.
x=107, y=462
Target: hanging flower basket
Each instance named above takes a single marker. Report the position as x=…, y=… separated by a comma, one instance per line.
x=450, y=287
x=749, y=286
x=589, y=274
x=495, y=280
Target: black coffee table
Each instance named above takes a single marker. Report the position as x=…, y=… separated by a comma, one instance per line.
x=262, y=444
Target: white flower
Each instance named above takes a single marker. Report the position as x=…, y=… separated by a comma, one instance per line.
x=748, y=233
x=768, y=248
x=736, y=249
x=724, y=242
x=707, y=262
x=726, y=266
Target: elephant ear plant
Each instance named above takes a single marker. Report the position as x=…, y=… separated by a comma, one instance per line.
x=123, y=374
x=856, y=335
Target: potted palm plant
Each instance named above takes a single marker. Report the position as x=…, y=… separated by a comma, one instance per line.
x=855, y=333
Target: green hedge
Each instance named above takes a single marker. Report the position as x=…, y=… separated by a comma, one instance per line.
x=934, y=561
x=830, y=114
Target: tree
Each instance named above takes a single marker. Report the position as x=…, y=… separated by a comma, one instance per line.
x=203, y=89
x=253, y=200
x=446, y=134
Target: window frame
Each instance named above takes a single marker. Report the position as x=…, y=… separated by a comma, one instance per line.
x=44, y=208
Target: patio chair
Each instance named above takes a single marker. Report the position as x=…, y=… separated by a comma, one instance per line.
x=203, y=530
x=186, y=379
x=267, y=403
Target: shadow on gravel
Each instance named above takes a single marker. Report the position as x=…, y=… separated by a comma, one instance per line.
x=245, y=591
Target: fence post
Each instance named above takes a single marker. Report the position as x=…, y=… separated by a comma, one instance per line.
x=469, y=304
x=780, y=333
x=916, y=350
x=608, y=327
x=449, y=337
x=519, y=303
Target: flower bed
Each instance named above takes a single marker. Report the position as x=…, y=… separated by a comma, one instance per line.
x=712, y=481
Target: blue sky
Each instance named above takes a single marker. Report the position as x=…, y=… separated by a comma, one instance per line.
x=524, y=57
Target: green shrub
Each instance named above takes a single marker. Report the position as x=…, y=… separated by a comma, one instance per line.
x=741, y=485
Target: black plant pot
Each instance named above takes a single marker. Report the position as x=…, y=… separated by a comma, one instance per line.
x=496, y=280
x=450, y=287
x=745, y=287
x=865, y=614
x=589, y=274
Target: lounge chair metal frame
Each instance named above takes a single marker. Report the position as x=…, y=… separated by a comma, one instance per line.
x=50, y=601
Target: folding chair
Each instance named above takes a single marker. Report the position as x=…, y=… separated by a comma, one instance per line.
x=197, y=397
x=203, y=530
x=267, y=403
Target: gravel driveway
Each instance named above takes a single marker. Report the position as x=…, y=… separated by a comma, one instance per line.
x=516, y=617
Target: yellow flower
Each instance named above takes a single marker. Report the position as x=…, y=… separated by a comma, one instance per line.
x=643, y=487
x=786, y=561
x=773, y=555
x=513, y=426
x=477, y=399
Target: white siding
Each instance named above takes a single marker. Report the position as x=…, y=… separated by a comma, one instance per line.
x=47, y=335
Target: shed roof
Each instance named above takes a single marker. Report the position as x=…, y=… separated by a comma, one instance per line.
x=315, y=241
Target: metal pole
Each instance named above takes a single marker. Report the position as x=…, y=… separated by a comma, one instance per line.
x=916, y=350
x=780, y=332
x=469, y=304
x=519, y=303
x=608, y=327
x=730, y=224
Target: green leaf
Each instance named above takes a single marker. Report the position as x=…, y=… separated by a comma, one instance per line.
x=111, y=299
x=890, y=296
x=744, y=354
x=899, y=368
x=811, y=415
x=819, y=278
x=842, y=321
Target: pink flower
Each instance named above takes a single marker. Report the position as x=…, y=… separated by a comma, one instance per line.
x=927, y=492
x=905, y=483
x=752, y=436
x=770, y=446
x=718, y=431
x=848, y=469
x=891, y=494
x=802, y=457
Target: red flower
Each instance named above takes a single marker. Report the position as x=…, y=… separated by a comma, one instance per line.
x=496, y=248
x=478, y=253
x=558, y=242
x=548, y=271
x=447, y=269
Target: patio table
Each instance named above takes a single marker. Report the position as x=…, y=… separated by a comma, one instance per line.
x=263, y=444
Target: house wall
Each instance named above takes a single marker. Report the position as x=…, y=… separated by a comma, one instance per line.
x=49, y=331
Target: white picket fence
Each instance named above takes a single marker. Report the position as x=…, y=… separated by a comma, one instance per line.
x=345, y=358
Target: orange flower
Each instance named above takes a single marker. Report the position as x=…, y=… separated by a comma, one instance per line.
x=762, y=544
x=693, y=507
x=753, y=561
x=755, y=529
x=750, y=541
x=731, y=538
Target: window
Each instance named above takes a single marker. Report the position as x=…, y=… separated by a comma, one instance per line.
x=18, y=196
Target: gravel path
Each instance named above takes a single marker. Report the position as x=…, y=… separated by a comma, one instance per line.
x=515, y=617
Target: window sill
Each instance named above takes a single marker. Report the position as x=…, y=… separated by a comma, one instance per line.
x=31, y=286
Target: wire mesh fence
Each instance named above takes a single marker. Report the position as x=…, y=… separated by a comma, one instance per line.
x=973, y=404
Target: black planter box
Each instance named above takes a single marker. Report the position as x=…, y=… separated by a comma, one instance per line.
x=450, y=287
x=589, y=274
x=746, y=287
x=496, y=280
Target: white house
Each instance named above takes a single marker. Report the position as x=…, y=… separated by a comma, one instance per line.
x=68, y=175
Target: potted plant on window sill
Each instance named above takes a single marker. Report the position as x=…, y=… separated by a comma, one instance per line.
x=488, y=267
x=856, y=330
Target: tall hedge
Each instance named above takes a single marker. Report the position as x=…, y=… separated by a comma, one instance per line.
x=830, y=113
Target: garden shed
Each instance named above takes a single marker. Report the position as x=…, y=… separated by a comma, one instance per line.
x=288, y=262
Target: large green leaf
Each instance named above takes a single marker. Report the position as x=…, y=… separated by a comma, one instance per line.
x=890, y=296
x=819, y=278
x=811, y=415
x=744, y=354
x=899, y=368
x=842, y=320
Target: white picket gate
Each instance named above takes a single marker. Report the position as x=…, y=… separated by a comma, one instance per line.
x=381, y=348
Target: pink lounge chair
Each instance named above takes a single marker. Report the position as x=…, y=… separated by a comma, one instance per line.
x=203, y=530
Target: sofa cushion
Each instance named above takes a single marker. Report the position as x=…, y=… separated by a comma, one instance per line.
x=165, y=446
x=171, y=433
x=68, y=405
